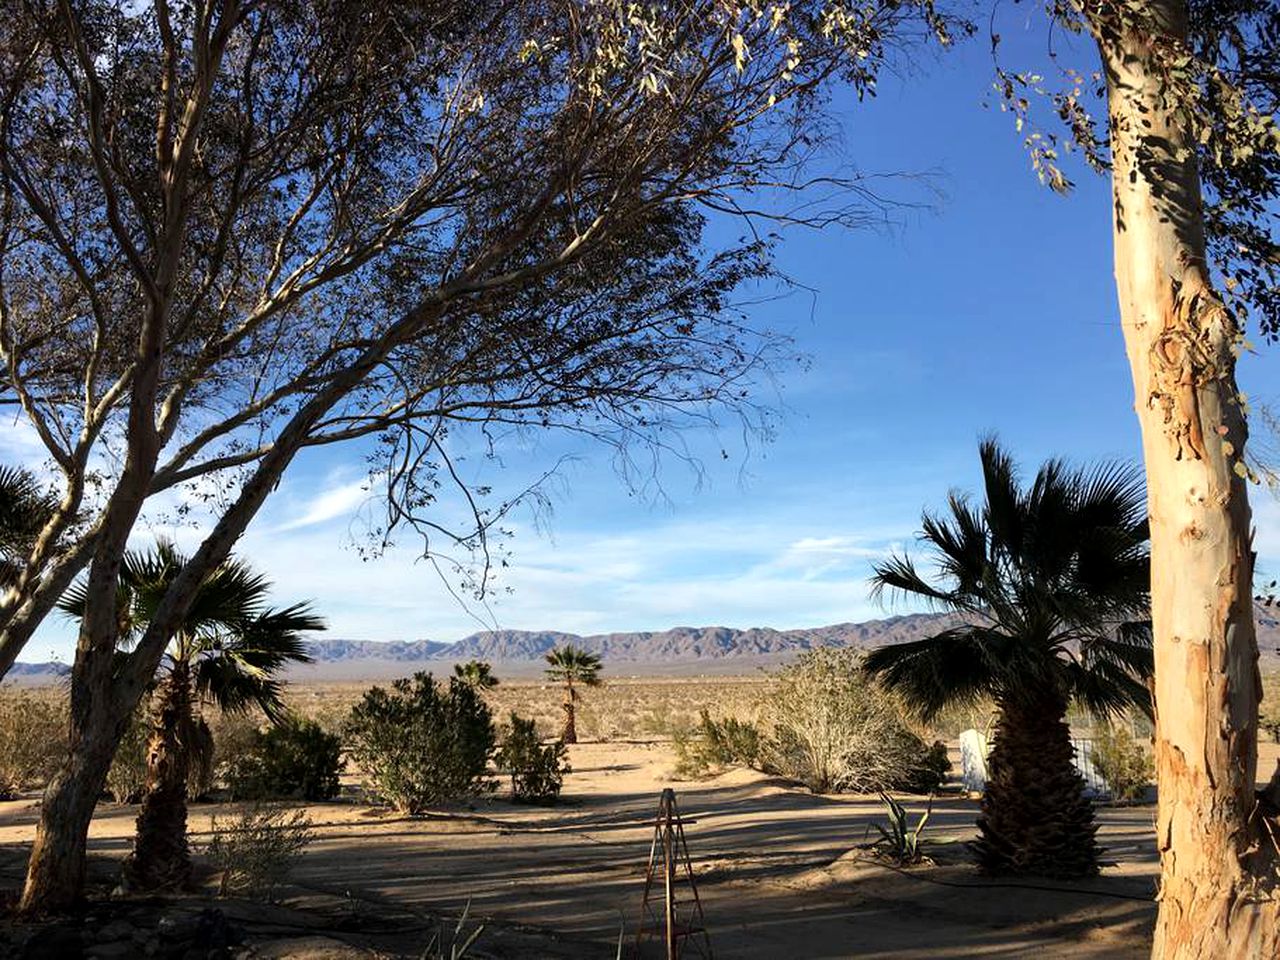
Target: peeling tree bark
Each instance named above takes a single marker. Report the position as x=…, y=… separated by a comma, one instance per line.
x=1217, y=857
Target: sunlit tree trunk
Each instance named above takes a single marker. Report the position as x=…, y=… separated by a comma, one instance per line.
x=56, y=869
x=1217, y=862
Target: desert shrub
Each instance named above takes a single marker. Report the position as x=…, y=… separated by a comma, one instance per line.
x=954, y=718
x=691, y=761
x=731, y=741
x=537, y=770
x=714, y=744
x=128, y=774
x=1269, y=709
x=292, y=760
x=235, y=737
x=832, y=729
x=1120, y=760
x=255, y=850
x=33, y=740
x=933, y=770
x=422, y=742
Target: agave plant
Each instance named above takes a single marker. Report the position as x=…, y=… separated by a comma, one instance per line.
x=899, y=841
x=228, y=651
x=1050, y=584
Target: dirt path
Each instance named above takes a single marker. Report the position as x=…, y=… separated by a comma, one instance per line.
x=775, y=871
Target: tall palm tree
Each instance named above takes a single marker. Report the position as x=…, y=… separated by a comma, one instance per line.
x=1051, y=586
x=228, y=651
x=476, y=674
x=25, y=508
x=572, y=665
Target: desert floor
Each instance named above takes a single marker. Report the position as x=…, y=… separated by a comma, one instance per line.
x=777, y=868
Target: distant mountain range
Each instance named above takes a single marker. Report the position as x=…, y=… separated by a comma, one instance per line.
x=680, y=650
x=37, y=672
x=691, y=645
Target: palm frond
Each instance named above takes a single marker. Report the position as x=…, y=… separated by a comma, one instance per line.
x=1106, y=688
x=960, y=547
x=237, y=668
x=1130, y=647
x=233, y=642
x=1004, y=512
x=898, y=574
x=231, y=596
x=571, y=663
x=1053, y=567
x=25, y=508
x=235, y=690
x=956, y=666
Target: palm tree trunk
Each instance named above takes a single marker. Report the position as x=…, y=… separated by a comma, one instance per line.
x=1035, y=817
x=570, y=719
x=160, y=856
x=1217, y=888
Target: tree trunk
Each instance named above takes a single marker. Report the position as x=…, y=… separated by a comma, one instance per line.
x=570, y=718
x=160, y=857
x=1035, y=817
x=56, y=868
x=1217, y=869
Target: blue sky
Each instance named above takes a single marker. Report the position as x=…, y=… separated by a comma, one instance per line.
x=994, y=311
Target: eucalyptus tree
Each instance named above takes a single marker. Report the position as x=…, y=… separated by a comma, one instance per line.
x=227, y=651
x=232, y=230
x=1191, y=141
x=574, y=667
x=1050, y=582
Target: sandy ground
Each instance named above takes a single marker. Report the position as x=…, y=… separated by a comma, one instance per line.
x=777, y=870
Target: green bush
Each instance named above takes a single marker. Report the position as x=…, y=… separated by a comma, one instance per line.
x=422, y=743
x=831, y=728
x=714, y=744
x=235, y=738
x=292, y=760
x=537, y=770
x=1120, y=760
x=33, y=740
x=933, y=770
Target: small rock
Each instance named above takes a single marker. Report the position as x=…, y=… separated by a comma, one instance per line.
x=116, y=930
x=118, y=950
x=175, y=927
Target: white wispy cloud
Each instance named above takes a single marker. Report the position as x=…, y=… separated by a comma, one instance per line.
x=340, y=500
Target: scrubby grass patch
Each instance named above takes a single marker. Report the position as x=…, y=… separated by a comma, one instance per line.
x=33, y=739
